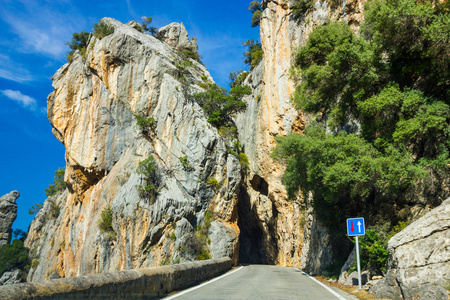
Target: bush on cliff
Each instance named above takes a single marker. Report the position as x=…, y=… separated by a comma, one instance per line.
x=58, y=183
x=254, y=53
x=256, y=10
x=79, y=42
x=151, y=179
x=14, y=256
x=102, y=29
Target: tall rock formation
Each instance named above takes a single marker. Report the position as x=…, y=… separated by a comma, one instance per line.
x=270, y=113
x=93, y=111
x=8, y=214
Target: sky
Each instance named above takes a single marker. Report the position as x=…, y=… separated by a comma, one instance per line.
x=32, y=48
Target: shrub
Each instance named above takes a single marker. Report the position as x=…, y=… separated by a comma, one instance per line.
x=149, y=29
x=14, y=256
x=173, y=236
x=243, y=160
x=237, y=78
x=300, y=7
x=58, y=184
x=103, y=29
x=79, y=42
x=213, y=182
x=219, y=105
x=54, y=209
x=254, y=54
x=35, y=208
x=151, y=179
x=256, y=10
x=374, y=254
x=184, y=161
x=105, y=222
x=146, y=125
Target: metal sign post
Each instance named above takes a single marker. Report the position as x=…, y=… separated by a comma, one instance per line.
x=356, y=227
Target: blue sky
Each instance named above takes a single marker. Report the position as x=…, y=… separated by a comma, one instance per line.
x=32, y=47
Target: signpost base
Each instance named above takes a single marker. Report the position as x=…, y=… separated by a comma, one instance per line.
x=357, y=262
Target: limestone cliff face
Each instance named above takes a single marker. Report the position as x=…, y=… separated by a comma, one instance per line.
x=92, y=110
x=270, y=113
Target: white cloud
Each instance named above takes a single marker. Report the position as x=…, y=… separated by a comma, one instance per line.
x=13, y=71
x=23, y=100
x=47, y=31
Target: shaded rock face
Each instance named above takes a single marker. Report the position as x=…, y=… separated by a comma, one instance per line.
x=278, y=224
x=8, y=214
x=419, y=265
x=92, y=110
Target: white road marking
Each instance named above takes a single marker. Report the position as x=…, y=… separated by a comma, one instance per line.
x=323, y=285
x=201, y=285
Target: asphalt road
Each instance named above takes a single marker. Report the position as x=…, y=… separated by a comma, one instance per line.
x=261, y=282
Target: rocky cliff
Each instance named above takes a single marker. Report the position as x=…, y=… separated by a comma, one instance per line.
x=93, y=109
x=8, y=214
x=279, y=222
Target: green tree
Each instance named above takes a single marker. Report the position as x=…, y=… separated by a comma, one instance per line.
x=219, y=105
x=79, y=42
x=146, y=26
x=343, y=172
x=256, y=10
x=58, y=184
x=254, y=54
x=14, y=256
x=300, y=7
x=414, y=37
x=102, y=29
x=150, y=177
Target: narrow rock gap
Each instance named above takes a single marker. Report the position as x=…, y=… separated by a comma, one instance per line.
x=251, y=249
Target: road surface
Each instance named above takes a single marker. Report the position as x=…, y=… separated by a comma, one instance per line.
x=262, y=282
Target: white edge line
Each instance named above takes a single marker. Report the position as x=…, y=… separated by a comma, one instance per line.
x=323, y=285
x=201, y=285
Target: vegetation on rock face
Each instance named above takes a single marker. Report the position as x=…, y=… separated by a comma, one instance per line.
x=300, y=7
x=394, y=89
x=146, y=26
x=256, y=10
x=254, y=53
x=150, y=177
x=219, y=105
x=79, y=42
x=58, y=184
x=102, y=29
x=105, y=223
x=14, y=256
x=201, y=237
x=146, y=125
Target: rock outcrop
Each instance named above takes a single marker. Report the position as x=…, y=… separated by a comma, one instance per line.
x=93, y=111
x=279, y=222
x=8, y=214
x=419, y=259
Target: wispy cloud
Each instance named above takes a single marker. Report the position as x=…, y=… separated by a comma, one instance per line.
x=47, y=31
x=131, y=10
x=13, y=71
x=24, y=100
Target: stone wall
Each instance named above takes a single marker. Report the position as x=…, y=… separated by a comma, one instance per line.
x=130, y=284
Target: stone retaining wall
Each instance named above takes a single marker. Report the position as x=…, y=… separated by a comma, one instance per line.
x=151, y=283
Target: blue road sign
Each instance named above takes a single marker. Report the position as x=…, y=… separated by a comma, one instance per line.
x=355, y=227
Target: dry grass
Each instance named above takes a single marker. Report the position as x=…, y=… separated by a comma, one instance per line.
x=352, y=290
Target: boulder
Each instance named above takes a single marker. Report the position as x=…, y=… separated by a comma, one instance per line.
x=8, y=214
x=10, y=277
x=419, y=263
